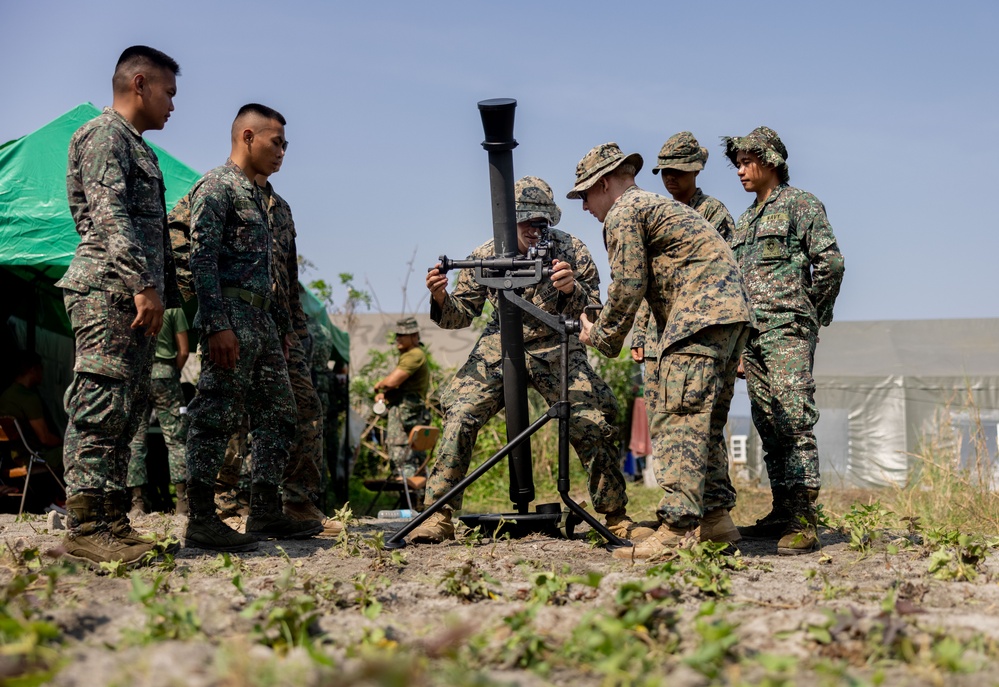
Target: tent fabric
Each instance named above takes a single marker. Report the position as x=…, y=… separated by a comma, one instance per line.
x=316, y=310
x=886, y=389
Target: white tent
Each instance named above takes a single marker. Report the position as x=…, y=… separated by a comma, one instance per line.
x=883, y=387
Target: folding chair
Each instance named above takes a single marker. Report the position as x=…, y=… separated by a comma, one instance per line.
x=421, y=438
x=12, y=434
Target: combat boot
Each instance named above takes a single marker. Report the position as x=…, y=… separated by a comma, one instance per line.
x=800, y=536
x=205, y=530
x=773, y=524
x=623, y=527
x=89, y=539
x=717, y=526
x=116, y=512
x=232, y=502
x=139, y=505
x=182, y=507
x=306, y=510
x=268, y=520
x=666, y=538
x=435, y=529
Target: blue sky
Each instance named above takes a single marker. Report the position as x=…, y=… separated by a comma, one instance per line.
x=888, y=110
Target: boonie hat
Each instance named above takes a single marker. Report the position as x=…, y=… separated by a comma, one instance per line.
x=683, y=153
x=535, y=200
x=763, y=141
x=603, y=159
x=407, y=325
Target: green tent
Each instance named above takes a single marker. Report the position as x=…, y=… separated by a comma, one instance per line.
x=37, y=232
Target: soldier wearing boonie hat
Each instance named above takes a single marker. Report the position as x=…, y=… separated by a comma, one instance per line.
x=404, y=391
x=793, y=269
x=475, y=393
x=665, y=253
x=680, y=160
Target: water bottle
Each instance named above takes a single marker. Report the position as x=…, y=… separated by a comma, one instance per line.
x=404, y=514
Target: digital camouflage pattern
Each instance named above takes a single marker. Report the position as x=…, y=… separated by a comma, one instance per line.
x=600, y=161
x=688, y=397
x=288, y=312
x=115, y=192
x=681, y=152
x=668, y=254
x=179, y=226
x=765, y=143
x=534, y=200
x=231, y=246
x=475, y=393
x=793, y=269
x=166, y=398
x=407, y=412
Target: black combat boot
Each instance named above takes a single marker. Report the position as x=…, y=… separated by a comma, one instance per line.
x=773, y=524
x=182, y=505
x=267, y=518
x=90, y=540
x=205, y=530
x=800, y=535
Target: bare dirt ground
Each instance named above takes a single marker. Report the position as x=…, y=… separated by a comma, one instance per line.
x=530, y=611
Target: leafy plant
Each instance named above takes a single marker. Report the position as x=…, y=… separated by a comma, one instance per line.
x=469, y=583
x=168, y=616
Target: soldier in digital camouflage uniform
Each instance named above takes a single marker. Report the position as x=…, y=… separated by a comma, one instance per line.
x=476, y=392
x=115, y=288
x=243, y=365
x=681, y=159
x=793, y=271
x=302, y=477
x=668, y=254
x=404, y=389
x=166, y=398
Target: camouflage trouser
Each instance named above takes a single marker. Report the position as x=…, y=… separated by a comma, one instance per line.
x=407, y=413
x=237, y=466
x=109, y=392
x=302, y=477
x=166, y=398
x=258, y=387
x=693, y=390
x=476, y=394
x=778, y=365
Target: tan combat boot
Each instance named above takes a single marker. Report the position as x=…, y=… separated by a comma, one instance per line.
x=623, y=527
x=717, y=526
x=666, y=538
x=800, y=535
x=182, y=505
x=90, y=540
x=306, y=510
x=435, y=529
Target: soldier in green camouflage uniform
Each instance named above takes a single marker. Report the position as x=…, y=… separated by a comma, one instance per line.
x=302, y=476
x=793, y=270
x=476, y=392
x=114, y=290
x=243, y=366
x=404, y=389
x=179, y=225
x=167, y=399
x=681, y=159
x=668, y=254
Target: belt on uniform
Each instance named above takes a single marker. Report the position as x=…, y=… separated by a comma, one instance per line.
x=248, y=296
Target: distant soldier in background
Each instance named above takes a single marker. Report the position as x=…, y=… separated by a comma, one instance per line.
x=115, y=288
x=793, y=269
x=664, y=252
x=243, y=366
x=475, y=393
x=166, y=398
x=404, y=390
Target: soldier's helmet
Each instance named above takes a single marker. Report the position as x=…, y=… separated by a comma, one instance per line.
x=683, y=153
x=535, y=200
x=764, y=142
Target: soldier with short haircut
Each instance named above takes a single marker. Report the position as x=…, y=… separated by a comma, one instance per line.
x=243, y=366
x=793, y=269
x=404, y=390
x=115, y=288
x=666, y=253
x=476, y=392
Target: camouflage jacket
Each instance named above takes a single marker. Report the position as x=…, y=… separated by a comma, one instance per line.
x=179, y=225
x=115, y=191
x=466, y=301
x=715, y=212
x=665, y=252
x=230, y=242
x=789, y=259
x=287, y=309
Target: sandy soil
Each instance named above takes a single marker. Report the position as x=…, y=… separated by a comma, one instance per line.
x=373, y=617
